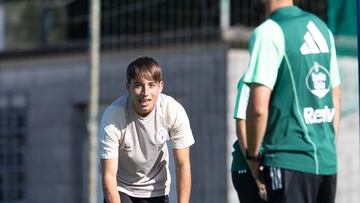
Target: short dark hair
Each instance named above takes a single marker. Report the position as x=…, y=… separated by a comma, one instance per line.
x=143, y=67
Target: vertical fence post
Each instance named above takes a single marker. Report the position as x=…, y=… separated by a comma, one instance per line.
x=224, y=16
x=358, y=43
x=94, y=27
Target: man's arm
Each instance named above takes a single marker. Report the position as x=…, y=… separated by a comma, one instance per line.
x=257, y=115
x=337, y=105
x=109, y=170
x=183, y=174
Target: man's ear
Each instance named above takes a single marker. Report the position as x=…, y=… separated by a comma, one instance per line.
x=161, y=83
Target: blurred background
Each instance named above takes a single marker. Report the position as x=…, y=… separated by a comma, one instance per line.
x=202, y=48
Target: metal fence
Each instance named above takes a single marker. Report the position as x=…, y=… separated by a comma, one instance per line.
x=126, y=24
x=12, y=147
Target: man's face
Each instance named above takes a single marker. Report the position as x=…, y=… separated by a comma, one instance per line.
x=144, y=94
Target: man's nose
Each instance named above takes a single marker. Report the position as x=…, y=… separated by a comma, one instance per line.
x=145, y=90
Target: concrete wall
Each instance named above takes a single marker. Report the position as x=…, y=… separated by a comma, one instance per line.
x=348, y=143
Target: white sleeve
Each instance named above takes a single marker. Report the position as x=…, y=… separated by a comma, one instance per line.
x=109, y=135
x=180, y=131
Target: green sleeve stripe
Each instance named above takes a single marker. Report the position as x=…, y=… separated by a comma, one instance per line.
x=334, y=67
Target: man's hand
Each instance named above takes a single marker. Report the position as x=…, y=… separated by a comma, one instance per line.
x=257, y=172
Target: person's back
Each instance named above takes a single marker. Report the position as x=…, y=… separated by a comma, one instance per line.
x=301, y=107
x=294, y=105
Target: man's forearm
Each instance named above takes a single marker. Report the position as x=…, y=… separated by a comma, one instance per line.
x=112, y=197
x=109, y=171
x=111, y=193
x=337, y=106
x=183, y=183
x=255, y=128
x=256, y=122
x=255, y=133
x=257, y=115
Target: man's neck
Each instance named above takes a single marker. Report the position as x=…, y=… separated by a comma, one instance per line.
x=277, y=4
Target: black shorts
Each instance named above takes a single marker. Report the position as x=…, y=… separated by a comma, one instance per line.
x=288, y=186
x=128, y=199
x=245, y=187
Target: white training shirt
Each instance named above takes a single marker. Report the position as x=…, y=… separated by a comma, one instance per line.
x=139, y=143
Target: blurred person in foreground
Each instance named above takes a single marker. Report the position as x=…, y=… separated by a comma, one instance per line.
x=133, y=135
x=243, y=181
x=294, y=105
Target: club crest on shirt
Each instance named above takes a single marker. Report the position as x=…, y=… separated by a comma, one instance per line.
x=318, y=80
x=161, y=136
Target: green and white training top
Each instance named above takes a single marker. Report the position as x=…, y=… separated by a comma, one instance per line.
x=293, y=54
x=239, y=162
x=139, y=143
